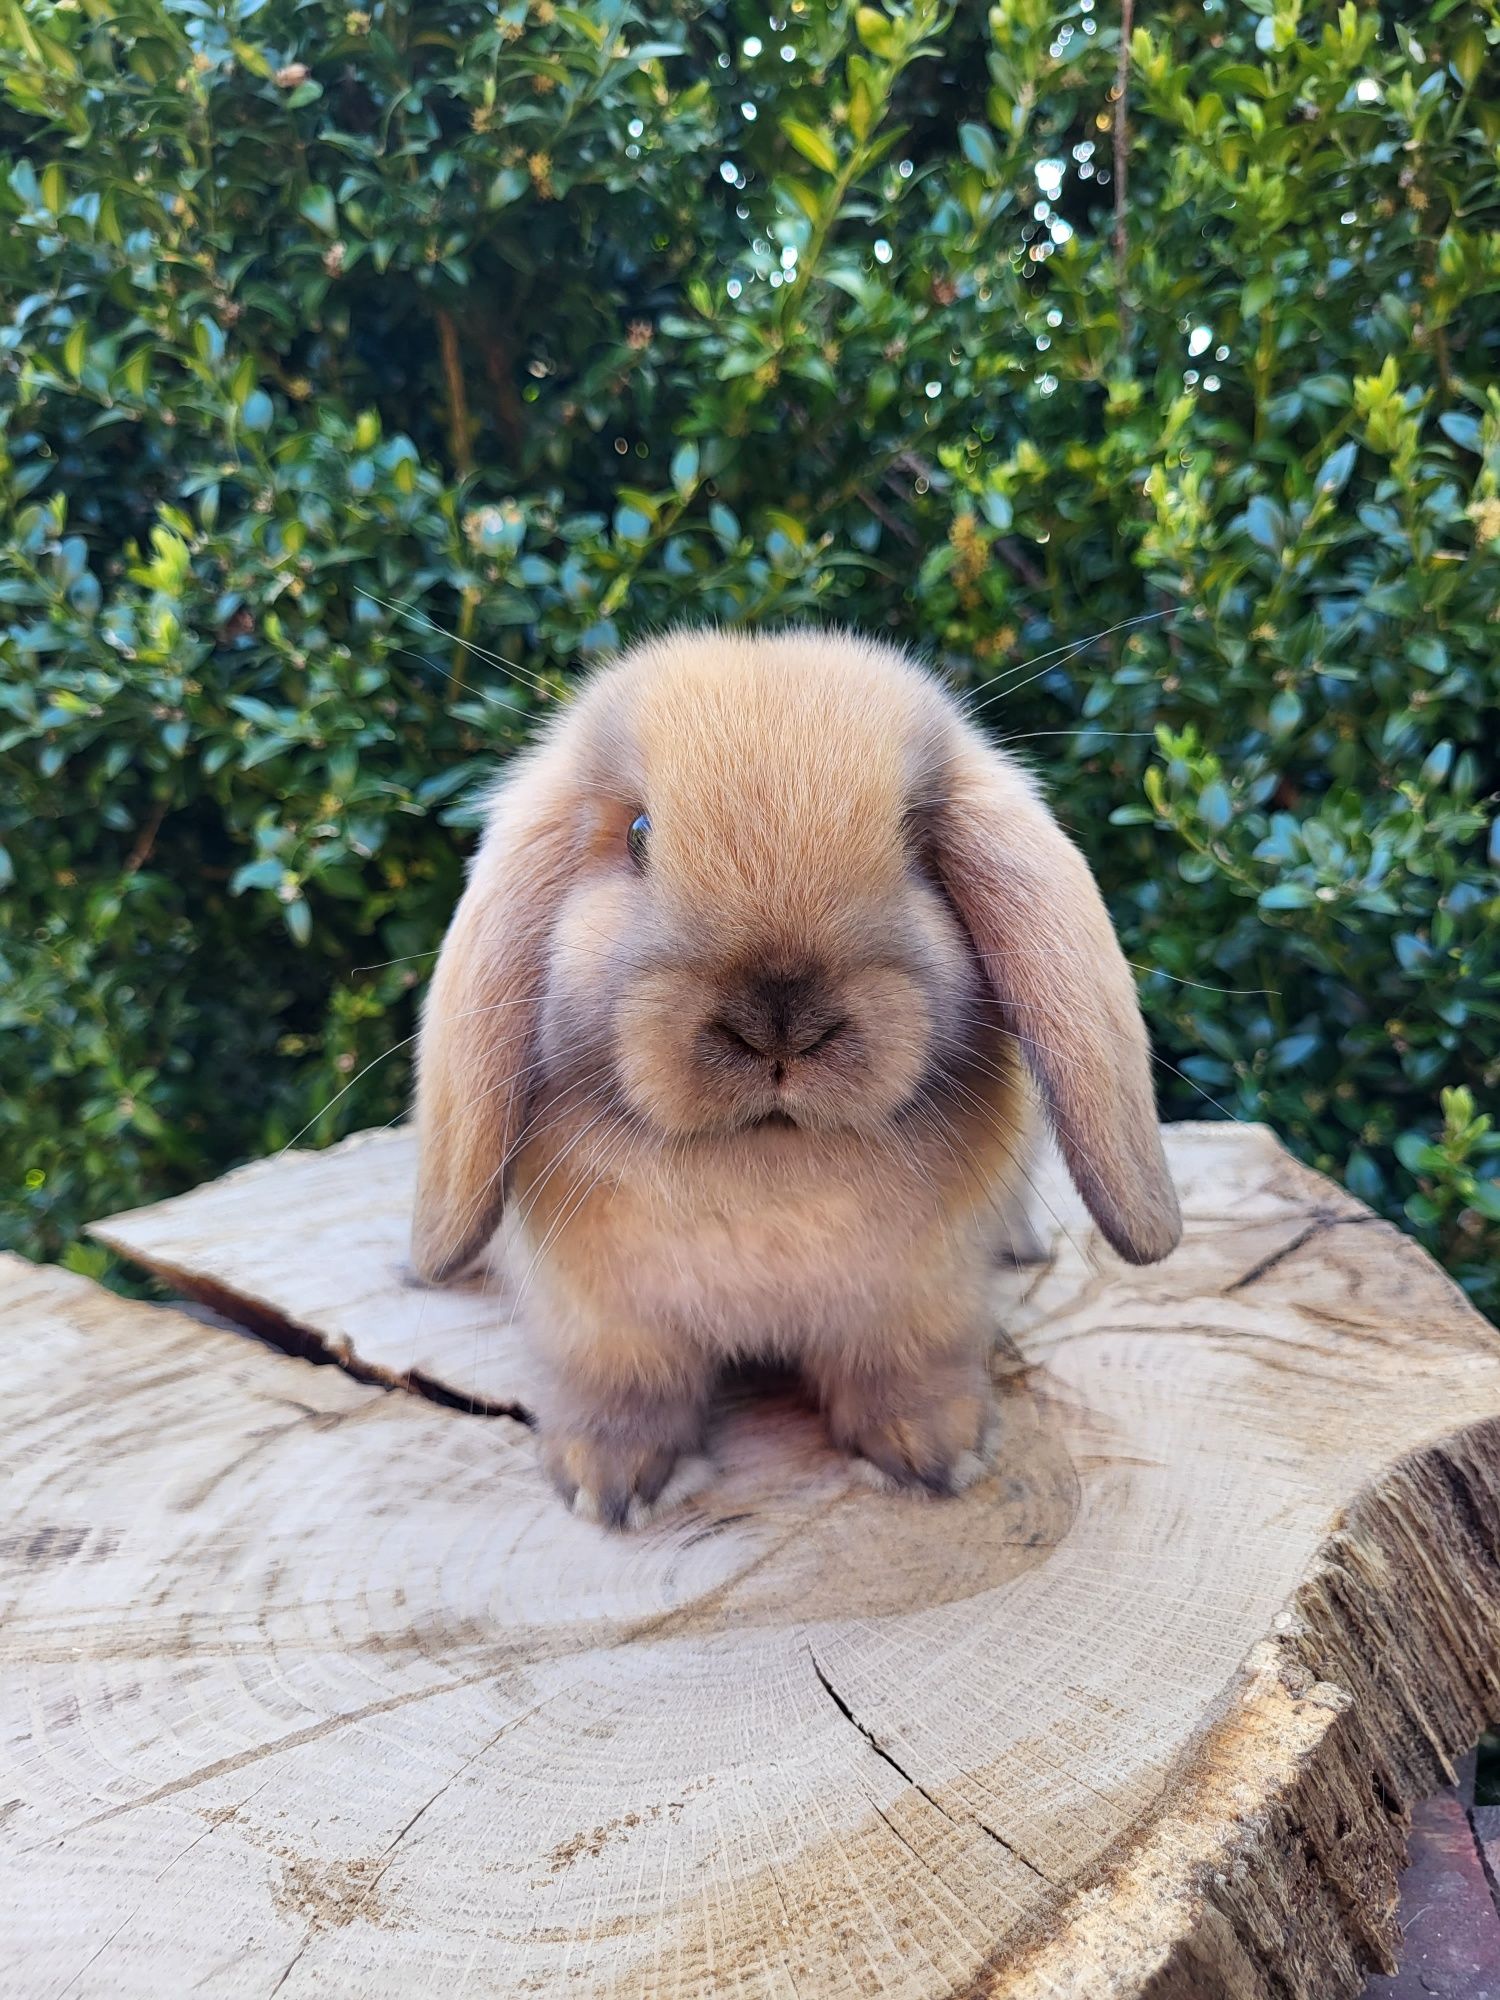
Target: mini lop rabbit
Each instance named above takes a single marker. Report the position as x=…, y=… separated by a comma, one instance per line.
x=734, y=1022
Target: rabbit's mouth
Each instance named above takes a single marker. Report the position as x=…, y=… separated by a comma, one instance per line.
x=774, y=1121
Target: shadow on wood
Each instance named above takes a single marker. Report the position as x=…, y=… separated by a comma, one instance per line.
x=311, y=1686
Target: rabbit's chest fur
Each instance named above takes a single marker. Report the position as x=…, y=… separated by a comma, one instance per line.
x=789, y=1242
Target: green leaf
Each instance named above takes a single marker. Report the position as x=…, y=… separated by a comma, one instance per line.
x=860, y=285
x=136, y=372
x=1214, y=808
x=685, y=468
x=979, y=149
x=997, y=510
x=1285, y=712
x=1265, y=523
x=1462, y=429
x=876, y=31
x=1238, y=78
x=631, y=525
x=1293, y=1051
x=800, y=195
x=1337, y=467
x=318, y=205
x=788, y=525
x=811, y=144
x=1469, y=51
x=251, y=58
x=863, y=109
x=265, y=873
x=1287, y=896
x=507, y=186
x=208, y=341
x=724, y=525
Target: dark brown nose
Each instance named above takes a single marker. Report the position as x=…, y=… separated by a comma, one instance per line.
x=779, y=1015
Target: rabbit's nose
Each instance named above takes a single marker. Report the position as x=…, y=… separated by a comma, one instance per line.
x=780, y=1015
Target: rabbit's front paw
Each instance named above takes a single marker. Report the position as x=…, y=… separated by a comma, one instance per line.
x=621, y=1482
x=932, y=1439
x=607, y=1479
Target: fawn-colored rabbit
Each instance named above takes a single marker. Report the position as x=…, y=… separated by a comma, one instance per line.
x=737, y=1022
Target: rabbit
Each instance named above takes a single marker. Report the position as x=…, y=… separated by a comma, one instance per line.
x=762, y=956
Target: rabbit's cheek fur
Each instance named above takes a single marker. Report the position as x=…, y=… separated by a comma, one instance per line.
x=592, y=951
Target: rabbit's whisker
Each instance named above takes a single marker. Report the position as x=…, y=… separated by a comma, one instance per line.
x=504, y=1084
x=561, y=1110
x=496, y=659
x=464, y=687
x=1068, y=649
x=380, y=964
x=1057, y=1056
x=493, y=1007
x=1016, y=1161
x=616, y=1157
x=1155, y=972
x=1081, y=729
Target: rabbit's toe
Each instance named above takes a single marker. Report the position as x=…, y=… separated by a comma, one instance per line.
x=620, y=1484
x=940, y=1447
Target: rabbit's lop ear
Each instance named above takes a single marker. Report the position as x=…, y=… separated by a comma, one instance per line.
x=477, y=1048
x=1051, y=959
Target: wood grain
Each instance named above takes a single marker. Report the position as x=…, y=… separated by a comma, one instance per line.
x=309, y=1686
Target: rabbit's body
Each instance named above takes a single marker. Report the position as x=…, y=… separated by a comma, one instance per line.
x=730, y=1022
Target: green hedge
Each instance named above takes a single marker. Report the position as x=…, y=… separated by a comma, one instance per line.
x=352, y=356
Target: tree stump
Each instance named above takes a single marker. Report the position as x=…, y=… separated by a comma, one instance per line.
x=311, y=1687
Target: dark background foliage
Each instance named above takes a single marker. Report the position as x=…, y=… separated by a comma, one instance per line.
x=368, y=373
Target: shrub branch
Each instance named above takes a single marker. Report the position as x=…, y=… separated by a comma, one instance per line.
x=1122, y=151
x=459, y=443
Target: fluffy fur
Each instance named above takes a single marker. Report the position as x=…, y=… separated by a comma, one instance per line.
x=762, y=1087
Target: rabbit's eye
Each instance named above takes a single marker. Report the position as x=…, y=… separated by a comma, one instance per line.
x=636, y=837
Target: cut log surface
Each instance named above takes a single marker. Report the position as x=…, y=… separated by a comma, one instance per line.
x=309, y=1686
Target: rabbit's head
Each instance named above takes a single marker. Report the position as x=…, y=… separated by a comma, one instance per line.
x=748, y=884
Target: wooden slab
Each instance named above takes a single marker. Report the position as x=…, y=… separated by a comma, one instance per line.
x=308, y=1687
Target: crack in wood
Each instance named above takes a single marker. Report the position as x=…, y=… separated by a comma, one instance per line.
x=1014, y=1852
x=1490, y=1876
x=305, y=1343
x=1316, y=1227
x=294, y=1740
x=316, y=1928
x=885, y=1756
